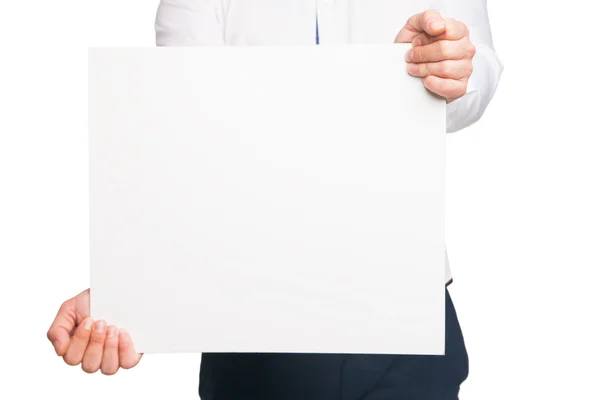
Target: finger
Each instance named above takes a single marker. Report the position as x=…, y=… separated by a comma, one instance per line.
x=439, y=51
x=450, y=89
x=455, y=30
x=430, y=22
x=110, y=357
x=127, y=355
x=450, y=69
x=78, y=343
x=59, y=333
x=92, y=357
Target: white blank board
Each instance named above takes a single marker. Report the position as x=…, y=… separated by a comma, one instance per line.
x=267, y=199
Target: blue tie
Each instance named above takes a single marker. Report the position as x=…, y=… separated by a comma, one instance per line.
x=317, y=31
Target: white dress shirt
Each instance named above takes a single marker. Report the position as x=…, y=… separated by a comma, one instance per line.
x=293, y=22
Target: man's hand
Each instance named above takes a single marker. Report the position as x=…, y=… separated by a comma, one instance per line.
x=94, y=345
x=442, y=53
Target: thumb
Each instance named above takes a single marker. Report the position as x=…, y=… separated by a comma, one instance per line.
x=60, y=330
x=429, y=22
x=71, y=313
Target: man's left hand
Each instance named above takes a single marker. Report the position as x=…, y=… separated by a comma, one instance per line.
x=442, y=53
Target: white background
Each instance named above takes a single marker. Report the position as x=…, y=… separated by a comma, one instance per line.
x=523, y=203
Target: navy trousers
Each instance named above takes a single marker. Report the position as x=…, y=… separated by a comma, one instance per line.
x=241, y=376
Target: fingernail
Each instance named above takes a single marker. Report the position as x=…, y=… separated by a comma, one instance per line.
x=410, y=56
x=123, y=334
x=413, y=69
x=417, y=42
x=112, y=331
x=87, y=324
x=99, y=326
x=437, y=25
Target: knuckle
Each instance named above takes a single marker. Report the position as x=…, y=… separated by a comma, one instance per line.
x=111, y=344
x=66, y=306
x=452, y=24
x=124, y=345
x=465, y=30
x=430, y=14
x=444, y=49
x=419, y=40
x=443, y=68
x=467, y=48
x=97, y=339
x=469, y=69
x=472, y=50
x=417, y=54
x=458, y=90
x=429, y=82
x=82, y=334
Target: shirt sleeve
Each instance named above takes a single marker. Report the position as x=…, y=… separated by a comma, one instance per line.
x=487, y=67
x=189, y=23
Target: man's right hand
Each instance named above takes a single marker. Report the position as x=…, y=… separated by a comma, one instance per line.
x=80, y=340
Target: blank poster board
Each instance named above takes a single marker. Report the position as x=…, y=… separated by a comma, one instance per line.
x=267, y=199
